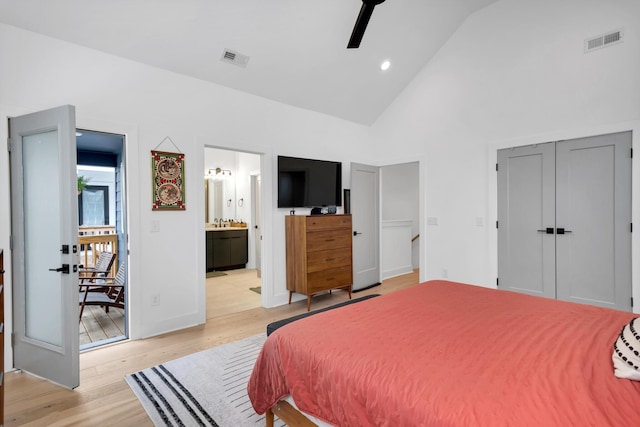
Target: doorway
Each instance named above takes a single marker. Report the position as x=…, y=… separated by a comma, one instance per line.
x=384, y=201
x=102, y=227
x=233, y=234
x=564, y=220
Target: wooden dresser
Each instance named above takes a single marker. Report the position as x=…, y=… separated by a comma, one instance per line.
x=318, y=254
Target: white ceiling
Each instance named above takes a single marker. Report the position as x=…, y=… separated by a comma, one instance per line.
x=297, y=48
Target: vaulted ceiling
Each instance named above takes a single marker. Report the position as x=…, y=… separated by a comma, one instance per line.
x=297, y=49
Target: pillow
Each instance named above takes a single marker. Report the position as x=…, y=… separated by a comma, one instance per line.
x=626, y=352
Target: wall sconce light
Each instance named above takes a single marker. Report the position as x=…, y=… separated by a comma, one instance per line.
x=217, y=172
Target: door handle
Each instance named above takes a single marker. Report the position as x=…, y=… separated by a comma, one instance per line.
x=64, y=269
x=548, y=230
x=563, y=231
x=355, y=233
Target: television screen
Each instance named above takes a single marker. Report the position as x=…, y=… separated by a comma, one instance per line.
x=308, y=183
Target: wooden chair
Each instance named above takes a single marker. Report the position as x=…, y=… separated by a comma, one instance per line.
x=102, y=268
x=103, y=291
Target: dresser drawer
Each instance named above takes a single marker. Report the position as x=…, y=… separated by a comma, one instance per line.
x=327, y=279
x=327, y=222
x=330, y=239
x=332, y=258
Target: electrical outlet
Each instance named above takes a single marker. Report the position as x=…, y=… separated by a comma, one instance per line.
x=155, y=299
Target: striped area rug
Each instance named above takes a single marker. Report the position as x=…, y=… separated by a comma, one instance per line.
x=203, y=389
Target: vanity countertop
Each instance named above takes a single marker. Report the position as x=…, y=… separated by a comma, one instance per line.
x=210, y=228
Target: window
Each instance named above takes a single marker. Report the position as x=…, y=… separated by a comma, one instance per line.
x=93, y=205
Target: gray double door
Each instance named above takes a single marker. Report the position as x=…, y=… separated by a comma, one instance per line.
x=564, y=220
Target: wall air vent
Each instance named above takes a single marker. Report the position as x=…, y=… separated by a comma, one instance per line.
x=603, y=40
x=234, y=58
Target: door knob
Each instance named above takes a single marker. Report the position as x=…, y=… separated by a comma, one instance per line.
x=563, y=231
x=64, y=269
x=355, y=233
x=548, y=230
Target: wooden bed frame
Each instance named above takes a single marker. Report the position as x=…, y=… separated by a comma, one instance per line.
x=287, y=413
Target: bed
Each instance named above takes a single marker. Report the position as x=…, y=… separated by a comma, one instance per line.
x=448, y=354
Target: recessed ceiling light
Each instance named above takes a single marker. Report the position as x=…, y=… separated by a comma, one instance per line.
x=385, y=65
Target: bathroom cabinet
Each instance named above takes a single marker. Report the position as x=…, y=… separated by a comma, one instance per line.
x=227, y=248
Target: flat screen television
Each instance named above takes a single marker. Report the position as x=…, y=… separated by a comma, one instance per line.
x=308, y=183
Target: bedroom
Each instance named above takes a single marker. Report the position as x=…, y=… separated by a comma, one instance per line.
x=503, y=79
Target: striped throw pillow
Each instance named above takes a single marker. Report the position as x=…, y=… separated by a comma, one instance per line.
x=626, y=351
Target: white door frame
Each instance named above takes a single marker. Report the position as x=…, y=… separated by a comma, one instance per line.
x=421, y=159
x=268, y=296
x=132, y=205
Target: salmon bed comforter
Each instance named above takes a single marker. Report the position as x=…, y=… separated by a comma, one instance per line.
x=448, y=354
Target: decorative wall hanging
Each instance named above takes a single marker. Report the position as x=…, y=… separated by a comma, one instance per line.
x=167, y=171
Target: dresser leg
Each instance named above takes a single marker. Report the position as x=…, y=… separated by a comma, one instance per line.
x=290, y=294
x=349, y=290
x=308, y=302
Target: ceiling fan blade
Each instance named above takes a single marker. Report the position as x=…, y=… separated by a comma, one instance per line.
x=361, y=23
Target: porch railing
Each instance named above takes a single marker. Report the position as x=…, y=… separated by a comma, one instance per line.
x=90, y=247
x=90, y=230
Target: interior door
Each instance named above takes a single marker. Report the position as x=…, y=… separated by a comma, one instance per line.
x=593, y=220
x=44, y=210
x=526, y=212
x=365, y=219
x=257, y=221
x=564, y=212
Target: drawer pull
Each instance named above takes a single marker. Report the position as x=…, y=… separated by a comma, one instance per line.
x=330, y=259
x=330, y=240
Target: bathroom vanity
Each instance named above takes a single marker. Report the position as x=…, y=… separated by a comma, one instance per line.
x=227, y=248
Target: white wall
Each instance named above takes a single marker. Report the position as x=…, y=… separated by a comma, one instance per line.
x=515, y=73
x=147, y=104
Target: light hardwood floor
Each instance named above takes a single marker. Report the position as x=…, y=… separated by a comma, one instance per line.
x=229, y=293
x=104, y=398
x=232, y=293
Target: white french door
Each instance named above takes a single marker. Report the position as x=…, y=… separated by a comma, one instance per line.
x=44, y=244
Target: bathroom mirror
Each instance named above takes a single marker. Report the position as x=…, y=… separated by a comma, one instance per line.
x=219, y=199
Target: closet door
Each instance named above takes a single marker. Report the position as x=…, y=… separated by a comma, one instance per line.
x=576, y=194
x=593, y=220
x=526, y=219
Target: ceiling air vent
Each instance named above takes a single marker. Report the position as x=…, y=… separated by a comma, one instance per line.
x=234, y=58
x=604, y=40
